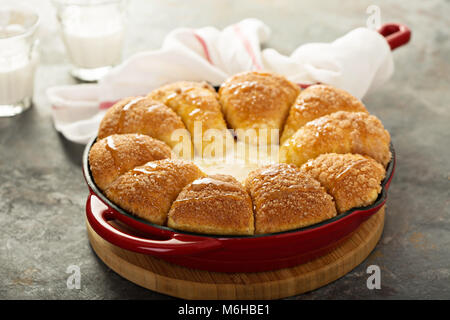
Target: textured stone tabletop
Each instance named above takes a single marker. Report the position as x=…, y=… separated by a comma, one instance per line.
x=43, y=194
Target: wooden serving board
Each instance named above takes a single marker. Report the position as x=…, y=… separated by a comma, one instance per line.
x=167, y=278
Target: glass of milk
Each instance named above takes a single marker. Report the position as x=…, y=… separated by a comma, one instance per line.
x=18, y=58
x=93, y=34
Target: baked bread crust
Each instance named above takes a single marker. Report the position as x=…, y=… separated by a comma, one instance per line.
x=257, y=100
x=114, y=155
x=286, y=198
x=141, y=115
x=352, y=179
x=195, y=102
x=339, y=132
x=217, y=204
x=149, y=190
x=317, y=101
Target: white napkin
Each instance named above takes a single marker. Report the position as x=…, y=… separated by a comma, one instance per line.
x=358, y=62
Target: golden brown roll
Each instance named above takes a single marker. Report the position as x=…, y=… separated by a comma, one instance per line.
x=285, y=198
x=317, y=101
x=352, y=179
x=197, y=102
x=257, y=100
x=112, y=156
x=216, y=204
x=141, y=115
x=149, y=190
x=339, y=132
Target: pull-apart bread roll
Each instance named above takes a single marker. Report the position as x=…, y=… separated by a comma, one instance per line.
x=286, y=198
x=257, y=100
x=196, y=102
x=141, y=115
x=317, y=101
x=339, y=132
x=216, y=204
x=149, y=190
x=352, y=179
x=114, y=155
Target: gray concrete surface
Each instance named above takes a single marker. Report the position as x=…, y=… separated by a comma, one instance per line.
x=42, y=191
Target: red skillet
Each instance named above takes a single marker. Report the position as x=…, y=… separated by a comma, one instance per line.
x=232, y=253
x=223, y=253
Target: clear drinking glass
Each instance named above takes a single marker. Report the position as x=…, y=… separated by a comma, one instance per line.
x=18, y=58
x=93, y=33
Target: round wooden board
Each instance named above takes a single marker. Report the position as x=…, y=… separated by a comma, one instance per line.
x=164, y=277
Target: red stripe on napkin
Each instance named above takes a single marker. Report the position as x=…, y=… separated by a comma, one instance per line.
x=247, y=46
x=106, y=105
x=204, y=46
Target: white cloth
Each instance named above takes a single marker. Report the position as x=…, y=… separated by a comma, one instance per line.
x=357, y=62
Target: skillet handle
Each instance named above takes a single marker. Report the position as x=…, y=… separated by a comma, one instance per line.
x=177, y=244
x=396, y=34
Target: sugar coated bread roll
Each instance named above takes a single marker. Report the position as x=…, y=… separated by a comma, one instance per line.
x=285, y=198
x=339, y=132
x=216, y=204
x=149, y=190
x=114, y=155
x=258, y=101
x=352, y=179
x=317, y=101
x=141, y=115
x=197, y=104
